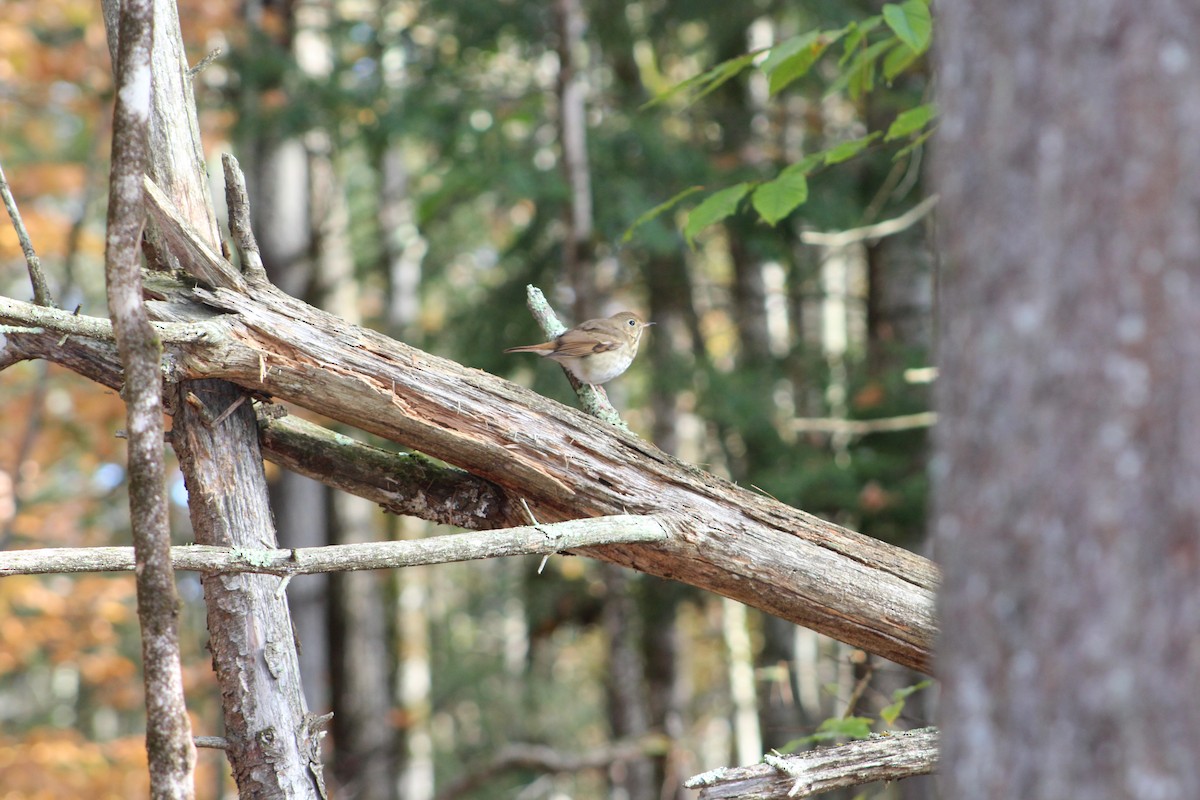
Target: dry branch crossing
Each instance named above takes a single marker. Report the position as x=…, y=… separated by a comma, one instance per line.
x=567, y=465
x=527, y=540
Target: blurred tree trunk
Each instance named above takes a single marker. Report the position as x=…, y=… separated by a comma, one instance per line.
x=749, y=299
x=403, y=249
x=1067, y=449
x=670, y=306
x=579, y=269
x=780, y=708
x=628, y=709
x=626, y=680
x=665, y=683
x=360, y=662
x=414, y=675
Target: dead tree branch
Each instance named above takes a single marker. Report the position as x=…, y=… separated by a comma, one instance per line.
x=881, y=758
x=41, y=289
x=560, y=537
x=724, y=538
x=402, y=483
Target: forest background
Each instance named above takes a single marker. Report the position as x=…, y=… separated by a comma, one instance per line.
x=413, y=167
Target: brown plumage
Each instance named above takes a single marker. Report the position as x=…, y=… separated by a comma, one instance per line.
x=595, y=351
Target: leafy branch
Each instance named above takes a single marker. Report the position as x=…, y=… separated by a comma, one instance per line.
x=886, y=44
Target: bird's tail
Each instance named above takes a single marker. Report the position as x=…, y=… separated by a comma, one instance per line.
x=540, y=349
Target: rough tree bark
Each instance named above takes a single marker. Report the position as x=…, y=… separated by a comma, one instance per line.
x=171, y=754
x=568, y=465
x=1068, y=455
x=271, y=740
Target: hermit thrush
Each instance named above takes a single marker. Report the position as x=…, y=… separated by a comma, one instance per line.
x=594, y=351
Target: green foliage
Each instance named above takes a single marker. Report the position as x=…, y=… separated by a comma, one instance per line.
x=840, y=728
x=919, y=141
x=831, y=730
x=661, y=208
x=716, y=207
x=777, y=198
x=891, y=712
x=899, y=35
x=793, y=58
x=849, y=149
x=704, y=84
x=858, y=78
x=911, y=121
x=911, y=23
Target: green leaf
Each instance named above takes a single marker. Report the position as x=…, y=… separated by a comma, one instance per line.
x=716, y=207
x=904, y=692
x=808, y=163
x=777, y=198
x=898, y=59
x=890, y=713
x=706, y=82
x=830, y=729
x=860, y=75
x=793, y=58
x=910, y=121
x=911, y=23
x=786, y=49
x=855, y=34
x=849, y=727
x=725, y=72
x=849, y=149
x=794, y=745
x=657, y=210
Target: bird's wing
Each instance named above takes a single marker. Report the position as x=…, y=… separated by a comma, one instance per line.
x=583, y=341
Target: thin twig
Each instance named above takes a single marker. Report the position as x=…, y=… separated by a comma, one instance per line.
x=203, y=64
x=876, y=231
x=41, y=290
x=520, y=541
x=212, y=742
x=862, y=427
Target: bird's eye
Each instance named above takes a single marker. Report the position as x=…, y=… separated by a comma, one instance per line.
x=632, y=322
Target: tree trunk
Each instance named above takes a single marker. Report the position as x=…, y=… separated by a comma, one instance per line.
x=1067, y=450
x=272, y=748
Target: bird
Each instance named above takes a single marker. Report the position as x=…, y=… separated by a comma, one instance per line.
x=595, y=351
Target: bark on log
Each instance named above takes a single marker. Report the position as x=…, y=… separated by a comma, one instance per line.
x=881, y=758
x=567, y=465
x=726, y=539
